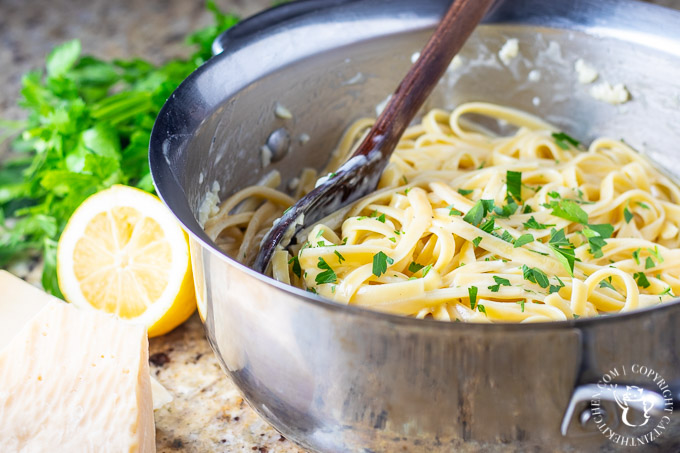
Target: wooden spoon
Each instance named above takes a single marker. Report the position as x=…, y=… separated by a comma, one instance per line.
x=359, y=176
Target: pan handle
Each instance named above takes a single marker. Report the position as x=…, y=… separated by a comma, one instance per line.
x=585, y=393
x=269, y=18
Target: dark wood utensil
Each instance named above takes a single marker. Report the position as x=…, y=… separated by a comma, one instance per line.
x=359, y=176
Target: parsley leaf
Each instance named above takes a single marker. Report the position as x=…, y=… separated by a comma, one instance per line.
x=627, y=214
x=327, y=276
x=595, y=235
x=649, y=263
x=569, y=210
x=454, y=211
x=500, y=281
x=414, y=267
x=506, y=211
x=607, y=283
x=514, y=185
x=380, y=262
x=488, y=225
x=535, y=275
x=521, y=304
x=472, y=294
x=636, y=256
x=563, y=140
x=465, y=192
x=641, y=279
x=524, y=239
x=643, y=205
x=507, y=237
x=657, y=255
x=534, y=225
x=381, y=218
x=88, y=128
x=477, y=240
x=477, y=213
x=297, y=270
x=426, y=269
x=340, y=257
x=482, y=309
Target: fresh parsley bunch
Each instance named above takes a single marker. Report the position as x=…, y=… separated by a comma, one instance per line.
x=88, y=127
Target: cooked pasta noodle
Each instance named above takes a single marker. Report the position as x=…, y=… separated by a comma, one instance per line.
x=467, y=225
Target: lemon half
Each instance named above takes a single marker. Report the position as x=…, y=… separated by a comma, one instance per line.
x=123, y=252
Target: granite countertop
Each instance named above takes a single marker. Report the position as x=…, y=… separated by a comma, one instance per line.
x=207, y=413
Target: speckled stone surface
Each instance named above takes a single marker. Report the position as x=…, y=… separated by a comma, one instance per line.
x=207, y=413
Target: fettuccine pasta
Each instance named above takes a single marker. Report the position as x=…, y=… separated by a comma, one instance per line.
x=470, y=226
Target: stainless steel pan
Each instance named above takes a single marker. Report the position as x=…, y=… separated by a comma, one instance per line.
x=341, y=378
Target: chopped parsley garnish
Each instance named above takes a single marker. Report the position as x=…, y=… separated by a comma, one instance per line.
x=524, y=239
x=397, y=232
x=636, y=256
x=607, y=283
x=643, y=205
x=534, y=225
x=380, y=262
x=320, y=233
x=554, y=194
x=641, y=279
x=656, y=254
x=514, y=185
x=596, y=235
x=535, y=275
x=564, y=140
x=327, y=276
x=562, y=249
x=381, y=218
x=649, y=263
x=521, y=304
x=393, y=240
x=605, y=230
x=569, y=210
x=340, y=257
x=297, y=270
x=482, y=309
x=667, y=291
x=311, y=290
x=507, y=210
x=454, y=211
x=576, y=316
x=500, y=281
x=477, y=213
x=488, y=225
x=556, y=288
x=426, y=269
x=403, y=178
x=527, y=209
x=472, y=293
x=414, y=267
x=477, y=240
x=465, y=192
x=627, y=214
x=507, y=237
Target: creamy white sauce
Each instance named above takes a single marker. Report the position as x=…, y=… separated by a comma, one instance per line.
x=612, y=94
x=210, y=204
x=586, y=73
x=509, y=51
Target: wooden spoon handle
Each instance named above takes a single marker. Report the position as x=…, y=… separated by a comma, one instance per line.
x=454, y=29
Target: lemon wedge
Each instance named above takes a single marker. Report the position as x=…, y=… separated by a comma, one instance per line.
x=123, y=252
